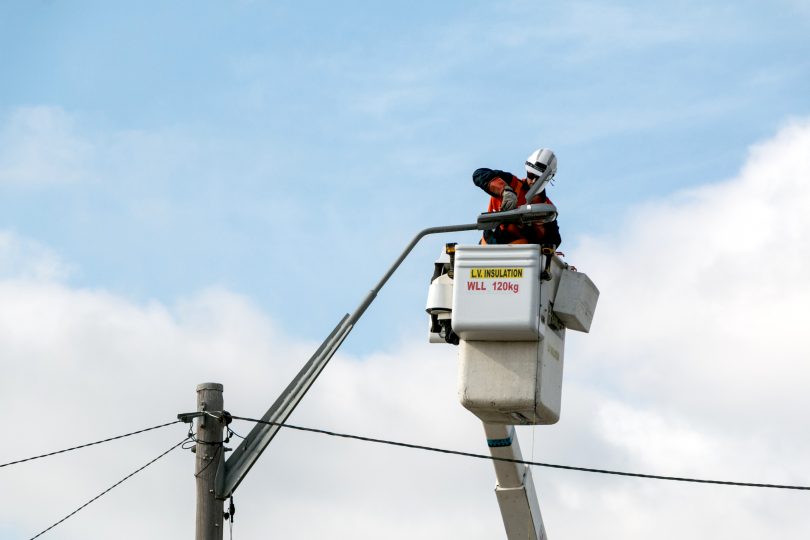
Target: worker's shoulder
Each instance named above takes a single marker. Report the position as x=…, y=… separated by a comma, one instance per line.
x=484, y=174
x=485, y=170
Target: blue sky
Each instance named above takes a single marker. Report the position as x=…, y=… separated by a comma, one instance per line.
x=221, y=141
x=202, y=189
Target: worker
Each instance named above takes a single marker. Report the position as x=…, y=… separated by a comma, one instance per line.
x=508, y=192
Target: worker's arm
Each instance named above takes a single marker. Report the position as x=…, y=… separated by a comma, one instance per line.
x=492, y=181
x=551, y=234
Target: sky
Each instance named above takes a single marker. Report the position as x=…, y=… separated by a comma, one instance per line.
x=198, y=191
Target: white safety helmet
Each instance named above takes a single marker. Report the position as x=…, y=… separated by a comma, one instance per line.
x=538, y=163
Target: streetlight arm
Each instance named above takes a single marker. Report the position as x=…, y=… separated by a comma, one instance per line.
x=246, y=454
x=421, y=234
x=526, y=214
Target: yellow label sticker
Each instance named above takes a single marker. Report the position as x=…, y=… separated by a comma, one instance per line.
x=496, y=273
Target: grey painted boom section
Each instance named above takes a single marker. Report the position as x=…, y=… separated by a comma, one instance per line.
x=245, y=456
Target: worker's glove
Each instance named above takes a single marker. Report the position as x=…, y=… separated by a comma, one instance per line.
x=508, y=199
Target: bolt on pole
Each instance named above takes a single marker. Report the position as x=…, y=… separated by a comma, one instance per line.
x=208, y=462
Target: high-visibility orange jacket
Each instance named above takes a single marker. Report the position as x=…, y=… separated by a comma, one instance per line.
x=494, y=182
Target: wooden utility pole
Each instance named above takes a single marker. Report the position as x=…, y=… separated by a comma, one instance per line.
x=209, y=450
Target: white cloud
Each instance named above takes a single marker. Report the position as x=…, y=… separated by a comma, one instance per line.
x=696, y=365
x=699, y=338
x=26, y=259
x=40, y=145
x=799, y=7
x=82, y=364
x=44, y=146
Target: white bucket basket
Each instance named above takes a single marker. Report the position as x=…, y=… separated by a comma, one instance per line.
x=512, y=328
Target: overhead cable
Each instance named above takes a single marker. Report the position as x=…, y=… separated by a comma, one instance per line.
x=127, y=477
x=88, y=444
x=531, y=463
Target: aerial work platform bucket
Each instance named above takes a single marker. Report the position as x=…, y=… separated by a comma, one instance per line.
x=511, y=332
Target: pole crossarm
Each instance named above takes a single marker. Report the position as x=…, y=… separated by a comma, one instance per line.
x=245, y=456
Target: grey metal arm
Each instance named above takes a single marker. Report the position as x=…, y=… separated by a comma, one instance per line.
x=245, y=456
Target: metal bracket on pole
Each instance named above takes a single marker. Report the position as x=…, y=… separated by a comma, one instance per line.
x=187, y=417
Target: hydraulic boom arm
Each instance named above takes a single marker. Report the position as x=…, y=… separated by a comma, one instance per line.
x=515, y=489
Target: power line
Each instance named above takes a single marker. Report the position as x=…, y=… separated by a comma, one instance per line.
x=127, y=477
x=87, y=444
x=523, y=462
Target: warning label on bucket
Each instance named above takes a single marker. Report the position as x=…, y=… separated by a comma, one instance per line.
x=496, y=273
